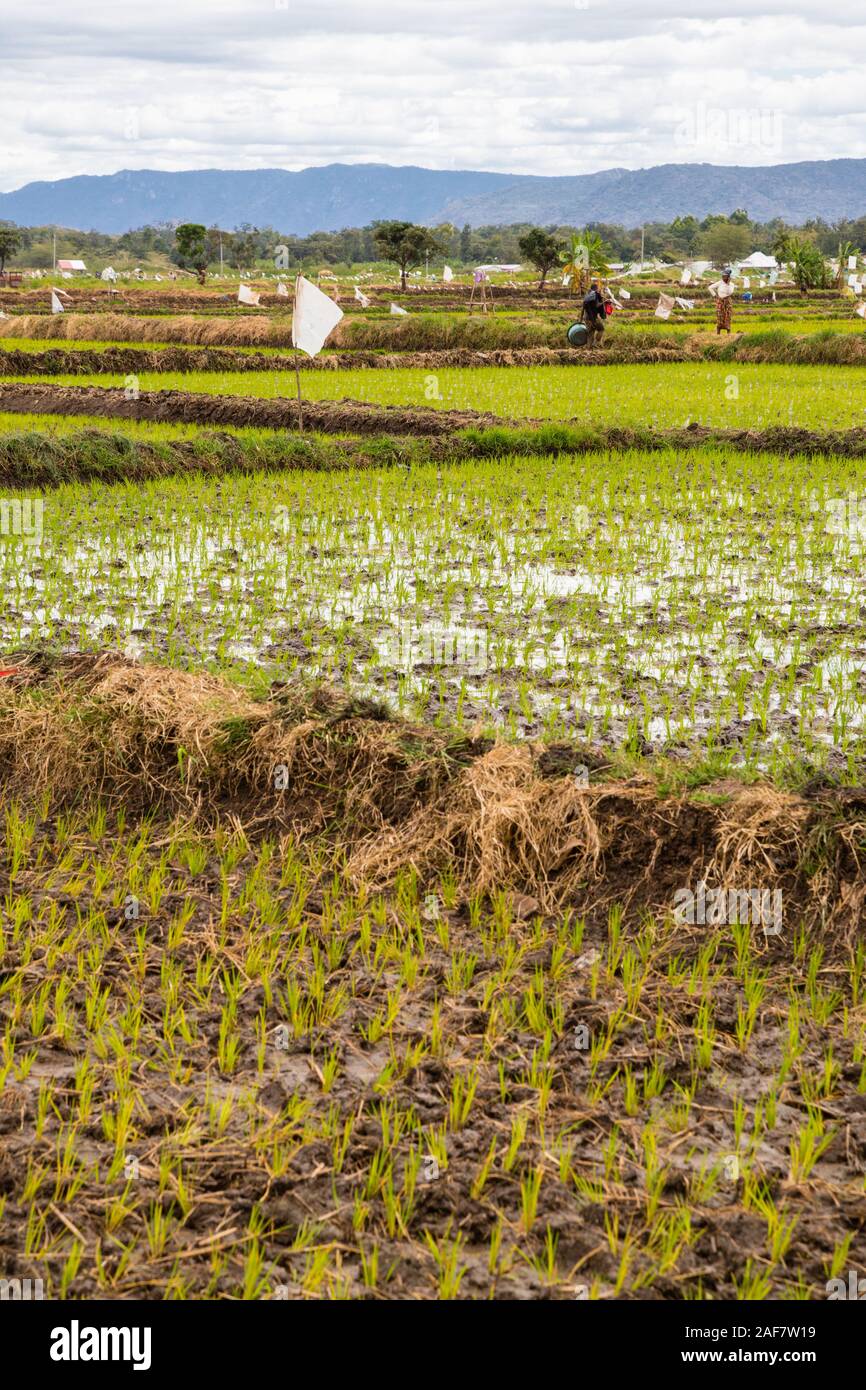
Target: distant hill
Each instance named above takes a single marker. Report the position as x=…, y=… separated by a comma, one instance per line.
x=322, y=199
x=334, y=196
x=831, y=188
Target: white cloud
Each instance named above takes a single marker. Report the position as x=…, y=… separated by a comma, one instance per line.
x=550, y=88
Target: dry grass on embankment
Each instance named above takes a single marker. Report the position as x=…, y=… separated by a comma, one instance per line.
x=83, y=730
x=402, y=340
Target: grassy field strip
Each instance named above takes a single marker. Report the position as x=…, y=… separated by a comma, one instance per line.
x=722, y=395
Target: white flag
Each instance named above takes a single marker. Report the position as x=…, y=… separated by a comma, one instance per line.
x=685, y=303
x=56, y=306
x=861, y=310
x=314, y=317
x=395, y=309
x=566, y=280
x=281, y=290
x=852, y=262
x=247, y=296
x=664, y=306
x=685, y=277
x=625, y=294
x=447, y=274
x=746, y=282
x=362, y=298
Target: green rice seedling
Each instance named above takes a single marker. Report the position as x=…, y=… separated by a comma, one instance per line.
x=754, y=1285
x=840, y=1257
x=808, y=1146
x=530, y=1190
x=463, y=1088
x=446, y=1253
x=480, y=1180
x=544, y=1263
x=519, y=1125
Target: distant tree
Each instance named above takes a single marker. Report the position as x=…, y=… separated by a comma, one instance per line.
x=406, y=244
x=808, y=267
x=448, y=237
x=245, y=248
x=725, y=241
x=685, y=232
x=740, y=218
x=466, y=243
x=191, y=239
x=542, y=250
x=781, y=239
x=10, y=242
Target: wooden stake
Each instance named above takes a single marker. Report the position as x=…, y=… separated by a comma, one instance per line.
x=297, y=358
x=300, y=406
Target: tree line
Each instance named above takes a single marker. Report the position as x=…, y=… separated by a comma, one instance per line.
x=245, y=248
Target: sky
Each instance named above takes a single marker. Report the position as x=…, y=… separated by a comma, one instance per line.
x=548, y=87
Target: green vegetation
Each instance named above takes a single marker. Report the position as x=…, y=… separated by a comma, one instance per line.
x=352, y=788
x=718, y=394
x=634, y=600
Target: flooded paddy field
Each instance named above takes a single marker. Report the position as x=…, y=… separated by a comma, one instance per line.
x=708, y=603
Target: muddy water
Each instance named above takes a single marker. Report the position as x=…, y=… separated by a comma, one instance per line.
x=505, y=601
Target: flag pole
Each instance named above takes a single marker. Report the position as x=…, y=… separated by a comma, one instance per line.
x=300, y=406
x=297, y=361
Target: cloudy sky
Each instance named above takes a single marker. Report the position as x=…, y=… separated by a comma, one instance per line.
x=552, y=86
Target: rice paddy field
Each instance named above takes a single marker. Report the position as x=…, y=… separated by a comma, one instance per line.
x=723, y=395
x=432, y=842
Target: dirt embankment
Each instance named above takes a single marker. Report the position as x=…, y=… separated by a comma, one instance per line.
x=341, y=417
x=443, y=434
x=499, y=816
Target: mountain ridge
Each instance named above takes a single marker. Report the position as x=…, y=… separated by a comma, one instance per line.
x=331, y=197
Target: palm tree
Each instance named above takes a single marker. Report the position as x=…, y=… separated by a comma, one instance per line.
x=807, y=265
x=846, y=249
x=586, y=259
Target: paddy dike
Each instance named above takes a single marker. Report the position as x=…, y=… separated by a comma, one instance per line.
x=345, y=417
x=402, y=795
x=444, y=434
x=123, y=360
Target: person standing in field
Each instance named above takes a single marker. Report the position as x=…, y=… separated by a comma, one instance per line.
x=594, y=315
x=723, y=293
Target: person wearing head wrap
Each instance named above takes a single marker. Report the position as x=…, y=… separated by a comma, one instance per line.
x=594, y=315
x=723, y=293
